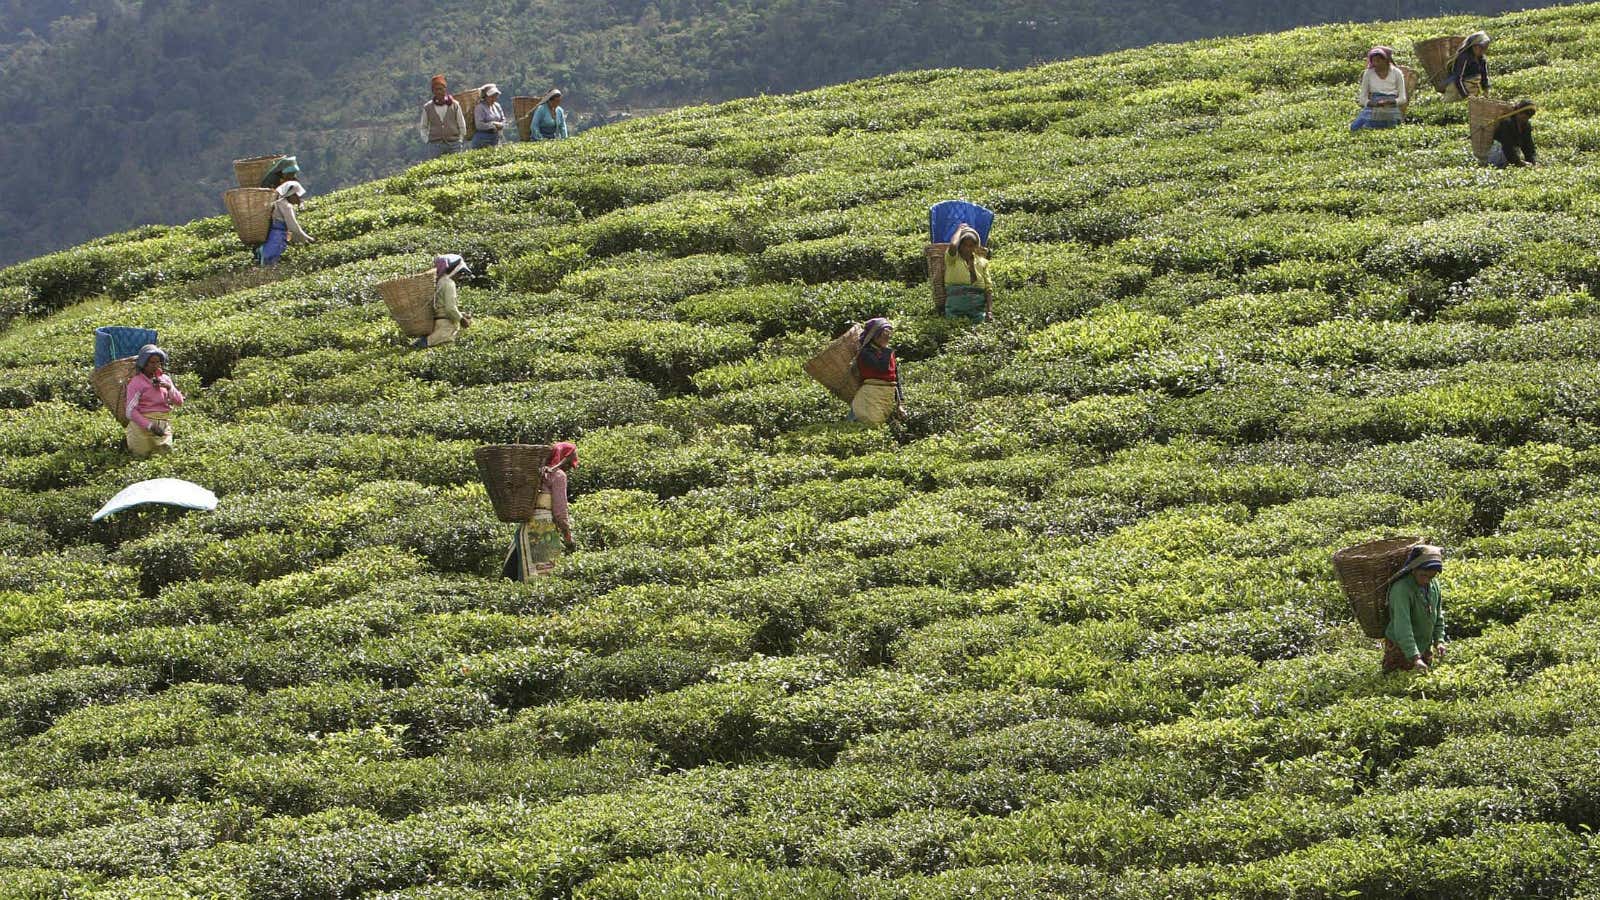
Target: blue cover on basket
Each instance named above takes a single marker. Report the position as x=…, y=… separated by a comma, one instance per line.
x=944, y=217
x=114, y=342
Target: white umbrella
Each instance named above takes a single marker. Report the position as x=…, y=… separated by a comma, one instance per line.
x=170, y=491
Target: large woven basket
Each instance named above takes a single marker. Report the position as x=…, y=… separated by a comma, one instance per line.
x=249, y=172
x=832, y=367
x=510, y=473
x=110, y=383
x=522, y=109
x=410, y=301
x=1436, y=54
x=1410, y=76
x=469, y=102
x=251, y=211
x=1364, y=572
x=1483, y=114
x=935, y=254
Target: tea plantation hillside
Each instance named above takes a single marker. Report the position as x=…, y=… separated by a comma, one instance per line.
x=1069, y=631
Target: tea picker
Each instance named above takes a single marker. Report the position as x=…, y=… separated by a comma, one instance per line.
x=527, y=483
x=285, y=224
x=958, y=260
x=489, y=119
x=1383, y=92
x=150, y=398
x=448, y=319
x=879, y=397
x=1502, y=132
x=549, y=120
x=442, y=123
x=1392, y=590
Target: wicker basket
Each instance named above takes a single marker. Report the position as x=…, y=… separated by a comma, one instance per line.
x=522, y=110
x=249, y=172
x=110, y=383
x=251, y=211
x=935, y=254
x=832, y=367
x=1436, y=54
x=510, y=473
x=469, y=102
x=1410, y=76
x=1364, y=571
x=410, y=302
x=1483, y=114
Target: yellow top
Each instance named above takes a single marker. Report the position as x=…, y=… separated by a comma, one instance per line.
x=956, y=272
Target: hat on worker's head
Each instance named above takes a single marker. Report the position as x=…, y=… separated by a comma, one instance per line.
x=490, y=90
x=450, y=264
x=438, y=82
x=147, y=351
x=1422, y=556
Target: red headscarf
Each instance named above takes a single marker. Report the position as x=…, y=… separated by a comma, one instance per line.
x=561, y=452
x=1382, y=51
x=439, y=82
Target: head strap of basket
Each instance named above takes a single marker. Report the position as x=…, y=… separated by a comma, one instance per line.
x=511, y=475
x=1420, y=556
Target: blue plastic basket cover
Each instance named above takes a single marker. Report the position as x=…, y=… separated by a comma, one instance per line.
x=114, y=342
x=944, y=217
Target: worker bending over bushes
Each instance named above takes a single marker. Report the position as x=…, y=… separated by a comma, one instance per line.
x=151, y=398
x=285, y=224
x=969, y=294
x=1513, y=138
x=540, y=542
x=1382, y=93
x=879, y=396
x=448, y=319
x=1414, y=640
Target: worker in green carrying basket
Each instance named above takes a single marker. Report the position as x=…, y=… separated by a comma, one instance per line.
x=1414, y=640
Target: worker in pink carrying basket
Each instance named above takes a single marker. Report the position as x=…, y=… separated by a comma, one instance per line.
x=148, y=403
x=1414, y=640
x=540, y=542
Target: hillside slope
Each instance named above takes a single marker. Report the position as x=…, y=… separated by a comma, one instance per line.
x=1070, y=631
x=125, y=112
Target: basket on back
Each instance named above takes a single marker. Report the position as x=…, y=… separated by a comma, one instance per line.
x=1410, y=76
x=251, y=211
x=110, y=383
x=249, y=172
x=935, y=254
x=1436, y=56
x=510, y=474
x=410, y=302
x=1364, y=572
x=832, y=367
x=469, y=103
x=1483, y=114
x=522, y=109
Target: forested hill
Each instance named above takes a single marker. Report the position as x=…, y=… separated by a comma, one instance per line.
x=125, y=112
x=1068, y=630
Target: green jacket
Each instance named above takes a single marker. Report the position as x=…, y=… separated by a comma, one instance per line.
x=1416, y=616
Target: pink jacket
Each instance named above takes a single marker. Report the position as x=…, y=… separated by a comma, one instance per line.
x=147, y=397
x=555, y=482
